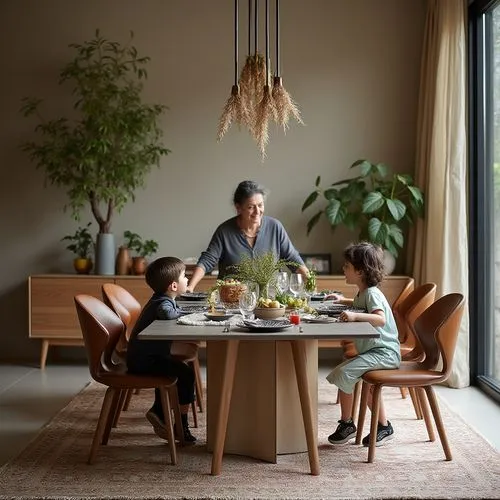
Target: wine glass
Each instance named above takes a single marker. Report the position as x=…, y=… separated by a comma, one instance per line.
x=282, y=281
x=247, y=303
x=297, y=284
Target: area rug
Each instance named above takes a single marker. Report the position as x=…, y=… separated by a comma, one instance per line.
x=135, y=463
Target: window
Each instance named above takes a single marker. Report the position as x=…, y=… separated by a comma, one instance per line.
x=484, y=66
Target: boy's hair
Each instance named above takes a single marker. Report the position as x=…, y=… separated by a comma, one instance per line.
x=367, y=258
x=162, y=272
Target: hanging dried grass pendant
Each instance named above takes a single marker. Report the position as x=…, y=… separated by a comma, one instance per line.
x=285, y=106
x=234, y=111
x=265, y=112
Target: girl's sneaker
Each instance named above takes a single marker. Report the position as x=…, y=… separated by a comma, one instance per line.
x=346, y=430
x=384, y=433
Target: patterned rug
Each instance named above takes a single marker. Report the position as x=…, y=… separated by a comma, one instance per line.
x=135, y=463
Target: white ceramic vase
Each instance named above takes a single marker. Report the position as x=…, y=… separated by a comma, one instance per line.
x=389, y=262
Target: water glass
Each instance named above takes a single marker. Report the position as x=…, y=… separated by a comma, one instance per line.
x=282, y=281
x=247, y=303
x=297, y=284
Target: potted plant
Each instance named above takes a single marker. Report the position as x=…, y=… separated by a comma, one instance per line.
x=142, y=248
x=82, y=246
x=105, y=153
x=377, y=204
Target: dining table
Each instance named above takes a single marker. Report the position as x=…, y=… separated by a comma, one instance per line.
x=261, y=384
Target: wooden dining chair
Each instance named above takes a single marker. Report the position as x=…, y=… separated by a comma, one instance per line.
x=437, y=331
x=128, y=308
x=405, y=314
x=101, y=330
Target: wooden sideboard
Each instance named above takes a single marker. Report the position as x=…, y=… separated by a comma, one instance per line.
x=53, y=318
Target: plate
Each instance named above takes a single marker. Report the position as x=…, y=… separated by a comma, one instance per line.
x=193, y=296
x=322, y=318
x=218, y=316
x=265, y=325
x=193, y=308
x=336, y=309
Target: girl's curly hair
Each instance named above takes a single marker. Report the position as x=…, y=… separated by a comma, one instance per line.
x=367, y=258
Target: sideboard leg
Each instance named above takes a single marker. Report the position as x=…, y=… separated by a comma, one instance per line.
x=43, y=354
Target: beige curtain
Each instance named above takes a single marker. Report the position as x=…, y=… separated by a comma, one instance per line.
x=441, y=238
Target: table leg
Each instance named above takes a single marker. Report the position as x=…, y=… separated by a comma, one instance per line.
x=228, y=370
x=299, y=358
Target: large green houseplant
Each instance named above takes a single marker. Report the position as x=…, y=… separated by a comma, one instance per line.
x=103, y=152
x=375, y=203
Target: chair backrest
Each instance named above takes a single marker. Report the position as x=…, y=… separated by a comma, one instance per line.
x=437, y=329
x=407, y=289
x=416, y=302
x=101, y=330
x=123, y=303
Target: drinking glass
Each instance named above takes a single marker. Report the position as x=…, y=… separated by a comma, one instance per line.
x=247, y=303
x=297, y=284
x=282, y=281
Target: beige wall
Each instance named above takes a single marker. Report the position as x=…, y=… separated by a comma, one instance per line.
x=353, y=67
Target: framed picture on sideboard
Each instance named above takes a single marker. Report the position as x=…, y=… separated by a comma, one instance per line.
x=321, y=262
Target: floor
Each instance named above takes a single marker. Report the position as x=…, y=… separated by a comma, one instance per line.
x=29, y=399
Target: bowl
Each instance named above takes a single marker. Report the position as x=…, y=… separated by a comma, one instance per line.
x=269, y=312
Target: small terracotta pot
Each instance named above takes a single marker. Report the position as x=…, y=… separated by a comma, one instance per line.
x=83, y=266
x=139, y=265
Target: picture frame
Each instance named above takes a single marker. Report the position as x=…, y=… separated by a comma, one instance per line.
x=321, y=262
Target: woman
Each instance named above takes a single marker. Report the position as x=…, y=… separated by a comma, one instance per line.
x=249, y=233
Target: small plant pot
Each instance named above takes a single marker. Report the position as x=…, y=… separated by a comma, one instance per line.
x=83, y=266
x=139, y=265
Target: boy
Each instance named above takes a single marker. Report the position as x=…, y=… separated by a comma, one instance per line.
x=166, y=277
x=364, y=268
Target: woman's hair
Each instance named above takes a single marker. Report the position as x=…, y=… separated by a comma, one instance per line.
x=247, y=189
x=162, y=272
x=367, y=258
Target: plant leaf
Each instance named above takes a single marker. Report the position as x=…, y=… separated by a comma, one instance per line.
x=397, y=208
x=396, y=235
x=335, y=212
x=381, y=169
x=313, y=221
x=373, y=202
x=416, y=194
x=310, y=200
x=318, y=180
x=377, y=231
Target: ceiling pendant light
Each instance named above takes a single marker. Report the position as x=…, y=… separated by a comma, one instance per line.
x=235, y=109
x=266, y=109
x=284, y=104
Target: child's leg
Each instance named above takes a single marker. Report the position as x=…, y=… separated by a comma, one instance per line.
x=345, y=405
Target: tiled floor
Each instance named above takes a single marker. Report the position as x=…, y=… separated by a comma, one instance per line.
x=29, y=398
